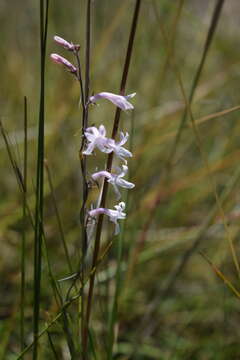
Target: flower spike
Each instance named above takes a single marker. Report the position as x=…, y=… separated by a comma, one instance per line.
x=119, y=100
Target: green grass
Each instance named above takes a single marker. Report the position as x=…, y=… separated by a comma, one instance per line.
x=167, y=287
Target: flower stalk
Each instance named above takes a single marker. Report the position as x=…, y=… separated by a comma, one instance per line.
x=95, y=139
x=109, y=162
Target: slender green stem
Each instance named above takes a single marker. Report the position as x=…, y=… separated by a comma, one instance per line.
x=23, y=249
x=40, y=177
x=52, y=345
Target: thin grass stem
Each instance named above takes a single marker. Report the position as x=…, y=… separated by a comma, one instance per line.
x=43, y=18
x=52, y=345
x=23, y=248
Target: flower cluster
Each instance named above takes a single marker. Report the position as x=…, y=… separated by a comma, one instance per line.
x=97, y=139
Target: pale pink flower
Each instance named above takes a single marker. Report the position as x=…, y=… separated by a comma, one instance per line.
x=117, y=147
x=58, y=59
x=119, y=100
x=115, y=179
x=114, y=215
x=96, y=139
x=67, y=45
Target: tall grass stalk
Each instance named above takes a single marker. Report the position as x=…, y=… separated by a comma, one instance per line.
x=108, y=168
x=172, y=37
x=43, y=18
x=211, y=31
x=23, y=248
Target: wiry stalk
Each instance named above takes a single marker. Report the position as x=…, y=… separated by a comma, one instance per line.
x=214, y=21
x=23, y=250
x=40, y=178
x=85, y=97
x=108, y=168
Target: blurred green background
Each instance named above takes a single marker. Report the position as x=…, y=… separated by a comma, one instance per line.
x=172, y=305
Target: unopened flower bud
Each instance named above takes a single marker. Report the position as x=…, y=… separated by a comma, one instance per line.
x=67, y=45
x=58, y=59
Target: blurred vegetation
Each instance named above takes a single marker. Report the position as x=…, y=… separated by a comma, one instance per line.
x=165, y=312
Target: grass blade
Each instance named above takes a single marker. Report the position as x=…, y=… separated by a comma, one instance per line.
x=221, y=276
x=23, y=249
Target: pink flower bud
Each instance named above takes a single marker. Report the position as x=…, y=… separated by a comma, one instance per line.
x=64, y=43
x=61, y=60
x=67, y=45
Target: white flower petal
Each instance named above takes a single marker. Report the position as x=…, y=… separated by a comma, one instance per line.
x=125, y=184
x=119, y=100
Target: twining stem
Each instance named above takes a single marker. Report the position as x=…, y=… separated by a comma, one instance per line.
x=108, y=168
